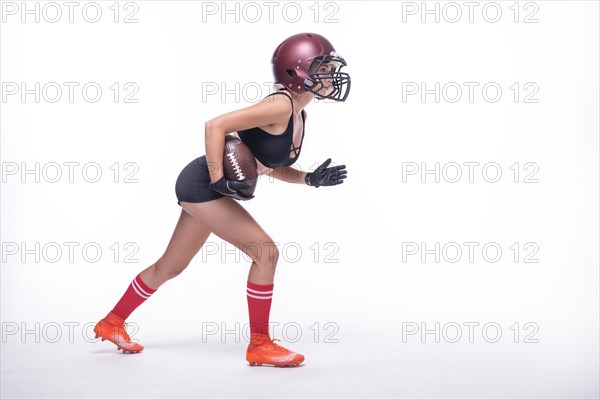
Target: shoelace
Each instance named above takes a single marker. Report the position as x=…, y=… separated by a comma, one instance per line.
x=272, y=342
x=275, y=345
x=122, y=328
x=125, y=325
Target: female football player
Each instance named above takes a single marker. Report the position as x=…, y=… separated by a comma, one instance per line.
x=305, y=66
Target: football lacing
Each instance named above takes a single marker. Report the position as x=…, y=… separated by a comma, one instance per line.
x=238, y=170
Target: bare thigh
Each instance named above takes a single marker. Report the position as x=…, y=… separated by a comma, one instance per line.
x=188, y=238
x=227, y=219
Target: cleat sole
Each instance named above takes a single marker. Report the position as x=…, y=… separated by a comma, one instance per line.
x=286, y=365
x=253, y=364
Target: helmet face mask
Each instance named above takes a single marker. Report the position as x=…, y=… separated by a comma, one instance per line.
x=338, y=81
x=307, y=62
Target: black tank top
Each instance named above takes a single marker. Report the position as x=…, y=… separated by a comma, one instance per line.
x=273, y=150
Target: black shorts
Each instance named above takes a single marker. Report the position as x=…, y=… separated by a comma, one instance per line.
x=192, y=183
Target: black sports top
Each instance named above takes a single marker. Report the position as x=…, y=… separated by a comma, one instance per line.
x=273, y=150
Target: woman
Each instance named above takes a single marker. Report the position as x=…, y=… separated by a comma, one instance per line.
x=305, y=66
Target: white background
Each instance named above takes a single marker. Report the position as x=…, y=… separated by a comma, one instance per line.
x=370, y=295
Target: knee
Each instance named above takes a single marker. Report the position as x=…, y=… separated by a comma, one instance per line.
x=265, y=254
x=275, y=251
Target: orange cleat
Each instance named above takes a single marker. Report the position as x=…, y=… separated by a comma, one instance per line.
x=112, y=328
x=263, y=350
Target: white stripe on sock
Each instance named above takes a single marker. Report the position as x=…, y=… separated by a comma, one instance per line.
x=137, y=291
x=259, y=297
x=141, y=289
x=259, y=292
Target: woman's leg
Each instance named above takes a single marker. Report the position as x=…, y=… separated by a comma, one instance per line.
x=187, y=240
x=227, y=219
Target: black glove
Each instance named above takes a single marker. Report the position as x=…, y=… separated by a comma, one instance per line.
x=324, y=176
x=241, y=196
x=229, y=188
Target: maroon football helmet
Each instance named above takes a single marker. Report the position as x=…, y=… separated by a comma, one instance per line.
x=297, y=65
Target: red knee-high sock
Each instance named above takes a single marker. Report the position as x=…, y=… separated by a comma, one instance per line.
x=259, y=306
x=136, y=294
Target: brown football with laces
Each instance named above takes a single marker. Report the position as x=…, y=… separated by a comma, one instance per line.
x=240, y=165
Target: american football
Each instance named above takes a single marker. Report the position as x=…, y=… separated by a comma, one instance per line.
x=239, y=164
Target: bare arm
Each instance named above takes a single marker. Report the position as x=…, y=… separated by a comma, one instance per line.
x=266, y=112
x=287, y=174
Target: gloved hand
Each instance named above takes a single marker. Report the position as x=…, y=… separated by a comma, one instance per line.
x=324, y=176
x=241, y=196
x=229, y=188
